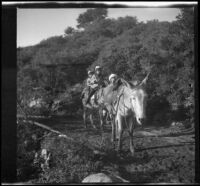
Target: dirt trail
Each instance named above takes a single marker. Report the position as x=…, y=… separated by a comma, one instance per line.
x=161, y=154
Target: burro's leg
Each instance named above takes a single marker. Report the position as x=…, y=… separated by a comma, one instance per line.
x=101, y=117
x=116, y=131
x=112, y=118
x=105, y=115
x=131, y=123
x=91, y=120
x=84, y=117
x=113, y=125
x=120, y=131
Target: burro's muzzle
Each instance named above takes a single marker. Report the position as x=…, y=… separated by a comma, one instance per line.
x=138, y=105
x=140, y=120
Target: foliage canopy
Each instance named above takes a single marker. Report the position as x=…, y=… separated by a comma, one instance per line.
x=124, y=46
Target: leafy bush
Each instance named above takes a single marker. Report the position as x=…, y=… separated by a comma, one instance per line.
x=71, y=162
x=28, y=143
x=58, y=65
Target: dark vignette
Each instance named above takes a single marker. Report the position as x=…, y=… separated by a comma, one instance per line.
x=8, y=96
x=8, y=66
x=197, y=163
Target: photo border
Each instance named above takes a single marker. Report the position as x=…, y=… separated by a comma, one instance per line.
x=9, y=76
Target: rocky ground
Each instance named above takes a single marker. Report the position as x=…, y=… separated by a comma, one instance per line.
x=164, y=154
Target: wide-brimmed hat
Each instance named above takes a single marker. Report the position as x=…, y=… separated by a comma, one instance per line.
x=97, y=67
x=90, y=72
x=112, y=76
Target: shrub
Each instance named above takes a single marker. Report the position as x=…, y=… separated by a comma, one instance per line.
x=28, y=143
x=71, y=162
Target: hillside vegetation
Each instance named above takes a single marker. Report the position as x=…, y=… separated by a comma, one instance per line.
x=123, y=46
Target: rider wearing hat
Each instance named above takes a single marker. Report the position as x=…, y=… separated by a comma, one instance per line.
x=98, y=77
x=97, y=80
x=88, y=83
x=89, y=79
x=112, y=78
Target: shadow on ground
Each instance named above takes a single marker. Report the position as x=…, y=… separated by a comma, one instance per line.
x=160, y=112
x=140, y=176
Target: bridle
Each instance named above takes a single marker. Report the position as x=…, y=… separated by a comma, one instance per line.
x=121, y=95
x=117, y=102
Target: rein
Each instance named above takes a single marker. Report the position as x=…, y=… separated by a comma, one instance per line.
x=124, y=113
x=122, y=93
x=99, y=95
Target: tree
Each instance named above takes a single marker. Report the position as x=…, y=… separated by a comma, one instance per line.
x=186, y=20
x=69, y=30
x=91, y=15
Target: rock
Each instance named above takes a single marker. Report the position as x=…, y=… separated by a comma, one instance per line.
x=37, y=103
x=46, y=156
x=177, y=124
x=44, y=153
x=97, y=178
x=103, y=178
x=173, y=124
x=62, y=135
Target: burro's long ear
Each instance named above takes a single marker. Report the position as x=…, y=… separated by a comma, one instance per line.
x=124, y=82
x=117, y=83
x=144, y=81
x=134, y=83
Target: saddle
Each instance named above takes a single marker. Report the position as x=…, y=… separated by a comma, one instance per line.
x=86, y=94
x=89, y=94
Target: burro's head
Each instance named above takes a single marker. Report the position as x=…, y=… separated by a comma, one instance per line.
x=138, y=99
x=135, y=97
